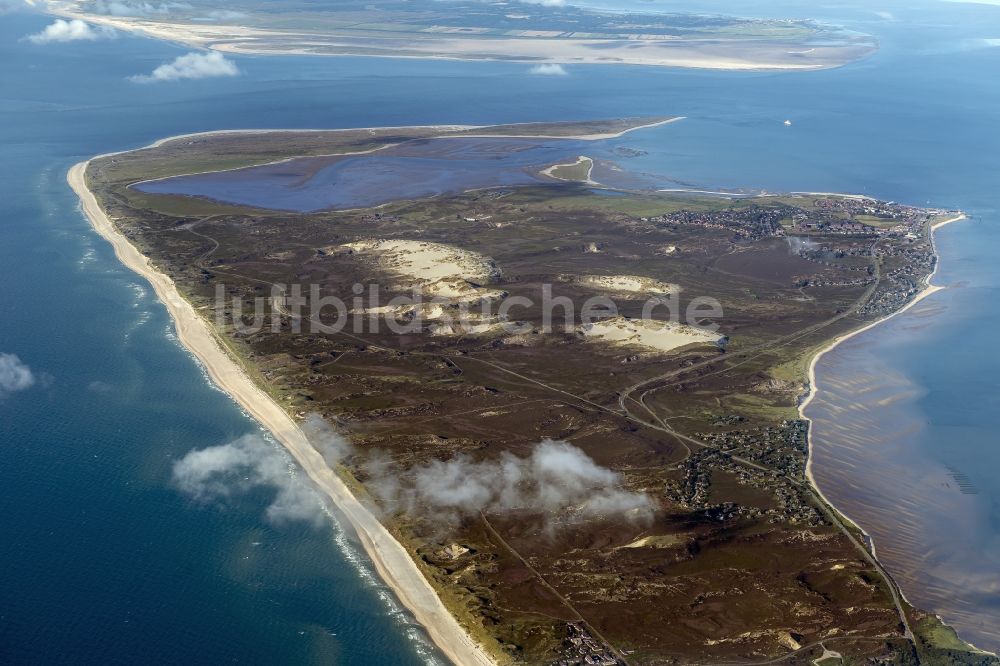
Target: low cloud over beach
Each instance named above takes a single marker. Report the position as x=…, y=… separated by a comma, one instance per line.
x=219, y=473
x=554, y=479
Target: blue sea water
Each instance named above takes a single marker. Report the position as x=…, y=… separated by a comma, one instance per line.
x=105, y=562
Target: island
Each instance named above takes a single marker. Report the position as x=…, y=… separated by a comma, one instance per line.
x=532, y=33
x=566, y=413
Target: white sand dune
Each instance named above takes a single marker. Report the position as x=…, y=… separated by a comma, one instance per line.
x=442, y=270
x=627, y=284
x=442, y=318
x=651, y=334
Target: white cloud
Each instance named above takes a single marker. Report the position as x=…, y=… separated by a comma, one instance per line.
x=225, y=15
x=191, y=66
x=330, y=444
x=550, y=69
x=556, y=482
x=555, y=479
x=546, y=3
x=14, y=375
x=71, y=31
x=217, y=473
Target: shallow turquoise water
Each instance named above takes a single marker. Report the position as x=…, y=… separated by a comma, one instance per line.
x=104, y=562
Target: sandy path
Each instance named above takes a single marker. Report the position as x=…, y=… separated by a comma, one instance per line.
x=391, y=560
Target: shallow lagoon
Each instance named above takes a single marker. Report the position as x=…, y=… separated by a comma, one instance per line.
x=414, y=170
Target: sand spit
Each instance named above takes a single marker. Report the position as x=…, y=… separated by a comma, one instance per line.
x=439, y=269
x=391, y=560
x=654, y=335
x=580, y=161
x=578, y=137
x=447, y=132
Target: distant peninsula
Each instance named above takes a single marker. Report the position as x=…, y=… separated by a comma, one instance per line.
x=532, y=33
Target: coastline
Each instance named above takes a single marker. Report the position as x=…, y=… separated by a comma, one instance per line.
x=391, y=560
x=393, y=563
x=929, y=288
x=924, y=293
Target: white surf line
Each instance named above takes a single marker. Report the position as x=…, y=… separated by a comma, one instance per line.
x=391, y=560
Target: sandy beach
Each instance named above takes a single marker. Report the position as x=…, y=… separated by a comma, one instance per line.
x=391, y=560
